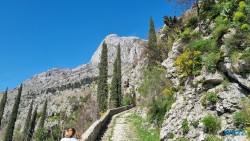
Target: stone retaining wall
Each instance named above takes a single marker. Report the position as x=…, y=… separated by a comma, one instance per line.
x=93, y=131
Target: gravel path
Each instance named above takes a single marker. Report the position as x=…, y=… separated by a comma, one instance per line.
x=119, y=129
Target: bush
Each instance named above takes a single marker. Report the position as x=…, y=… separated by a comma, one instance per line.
x=225, y=82
x=241, y=119
x=195, y=123
x=212, y=138
x=185, y=127
x=41, y=134
x=170, y=135
x=219, y=31
x=244, y=27
x=246, y=55
x=127, y=100
x=159, y=106
x=192, y=22
x=185, y=36
x=154, y=82
x=155, y=93
x=189, y=62
x=56, y=133
x=238, y=16
x=242, y=5
x=210, y=61
x=212, y=97
x=209, y=97
x=212, y=124
x=227, y=9
x=203, y=46
x=248, y=132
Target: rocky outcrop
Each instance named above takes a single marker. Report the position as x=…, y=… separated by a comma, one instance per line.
x=188, y=104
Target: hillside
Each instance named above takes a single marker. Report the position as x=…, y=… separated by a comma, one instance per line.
x=66, y=88
x=190, y=81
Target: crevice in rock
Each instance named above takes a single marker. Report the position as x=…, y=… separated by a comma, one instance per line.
x=243, y=89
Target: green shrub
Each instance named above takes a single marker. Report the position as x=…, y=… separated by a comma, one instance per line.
x=238, y=16
x=242, y=5
x=192, y=22
x=154, y=81
x=155, y=93
x=159, y=106
x=41, y=134
x=212, y=138
x=244, y=27
x=56, y=133
x=246, y=55
x=212, y=124
x=127, y=100
x=225, y=82
x=212, y=97
x=209, y=97
x=204, y=100
x=203, y=46
x=185, y=127
x=189, y=62
x=227, y=9
x=214, y=11
x=185, y=36
x=210, y=60
x=170, y=135
x=195, y=123
x=241, y=119
x=219, y=31
x=248, y=132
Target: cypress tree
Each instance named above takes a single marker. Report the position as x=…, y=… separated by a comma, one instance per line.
x=116, y=92
x=113, y=101
x=2, y=105
x=102, y=90
x=44, y=113
x=13, y=117
x=32, y=125
x=152, y=44
x=28, y=120
x=119, y=76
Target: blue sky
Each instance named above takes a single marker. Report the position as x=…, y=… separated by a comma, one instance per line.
x=38, y=35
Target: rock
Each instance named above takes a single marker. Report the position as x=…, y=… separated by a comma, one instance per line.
x=212, y=80
x=243, y=66
x=226, y=67
x=201, y=136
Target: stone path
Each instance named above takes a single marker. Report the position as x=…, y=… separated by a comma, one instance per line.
x=119, y=129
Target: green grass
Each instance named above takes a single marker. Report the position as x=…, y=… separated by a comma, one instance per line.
x=143, y=134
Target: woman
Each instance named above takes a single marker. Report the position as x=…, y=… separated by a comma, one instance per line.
x=69, y=134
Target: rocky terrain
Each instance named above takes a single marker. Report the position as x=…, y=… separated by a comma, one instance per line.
x=188, y=104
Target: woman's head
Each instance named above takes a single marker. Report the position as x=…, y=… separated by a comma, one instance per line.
x=70, y=132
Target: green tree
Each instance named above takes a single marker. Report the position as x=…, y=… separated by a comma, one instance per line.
x=44, y=113
x=32, y=125
x=116, y=93
x=28, y=119
x=153, y=50
x=2, y=105
x=41, y=134
x=119, y=76
x=13, y=117
x=102, y=90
